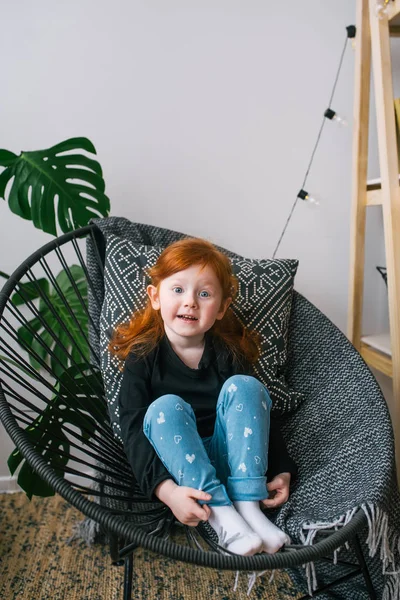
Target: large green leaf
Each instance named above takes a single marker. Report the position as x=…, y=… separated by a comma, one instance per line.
x=41, y=178
x=7, y=158
x=76, y=402
x=57, y=329
x=30, y=291
x=16, y=365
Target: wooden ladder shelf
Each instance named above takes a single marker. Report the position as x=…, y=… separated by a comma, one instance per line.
x=381, y=352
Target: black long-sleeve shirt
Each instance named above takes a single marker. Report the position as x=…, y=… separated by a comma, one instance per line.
x=163, y=372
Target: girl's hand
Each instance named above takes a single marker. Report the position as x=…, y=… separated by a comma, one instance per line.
x=182, y=501
x=278, y=489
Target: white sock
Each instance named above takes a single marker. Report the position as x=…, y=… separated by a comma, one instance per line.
x=272, y=537
x=233, y=531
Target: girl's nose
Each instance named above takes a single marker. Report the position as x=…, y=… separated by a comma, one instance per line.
x=190, y=300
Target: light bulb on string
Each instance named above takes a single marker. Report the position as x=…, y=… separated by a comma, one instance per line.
x=333, y=116
x=351, y=34
x=311, y=201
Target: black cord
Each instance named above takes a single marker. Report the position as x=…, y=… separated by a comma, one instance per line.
x=315, y=148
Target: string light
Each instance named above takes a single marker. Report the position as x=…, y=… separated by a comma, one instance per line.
x=351, y=31
x=309, y=200
x=312, y=202
x=333, y=116
x=351, y=34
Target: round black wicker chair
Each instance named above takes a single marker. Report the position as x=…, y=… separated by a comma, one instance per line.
x=53, y=407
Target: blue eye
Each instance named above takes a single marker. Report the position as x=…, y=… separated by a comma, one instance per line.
x=177, y=290
x=204, y=294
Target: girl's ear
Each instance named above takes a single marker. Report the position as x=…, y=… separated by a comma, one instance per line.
x=224, y=308
x=152, y=293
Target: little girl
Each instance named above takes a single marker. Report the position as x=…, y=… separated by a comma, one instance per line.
x=195, y=423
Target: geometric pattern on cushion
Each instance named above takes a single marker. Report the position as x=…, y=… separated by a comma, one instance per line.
x=125, y=285
x=263, y=303
x=264, y=300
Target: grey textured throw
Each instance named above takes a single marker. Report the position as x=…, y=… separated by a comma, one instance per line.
x=340, y=437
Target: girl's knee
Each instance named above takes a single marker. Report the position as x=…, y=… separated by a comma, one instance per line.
x=252, y=387
x=247, y=382
x=166, y=404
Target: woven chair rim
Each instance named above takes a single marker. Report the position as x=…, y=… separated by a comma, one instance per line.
x=133, y=534
x=21, y=270
x=129, y=531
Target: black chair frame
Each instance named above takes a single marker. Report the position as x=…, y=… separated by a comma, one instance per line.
x=111, y=503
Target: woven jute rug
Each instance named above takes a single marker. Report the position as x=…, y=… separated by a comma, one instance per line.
x=38, y=563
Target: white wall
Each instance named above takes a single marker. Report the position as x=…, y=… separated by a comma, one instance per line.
x=204, y=116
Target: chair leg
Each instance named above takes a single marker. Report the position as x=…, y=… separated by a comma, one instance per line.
x=364, y=568
x=128, y=576
x=114, y=550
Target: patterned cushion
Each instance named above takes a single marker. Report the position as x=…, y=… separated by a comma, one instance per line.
x=263, y=303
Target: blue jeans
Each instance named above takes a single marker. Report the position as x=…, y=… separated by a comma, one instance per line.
x=232, y=463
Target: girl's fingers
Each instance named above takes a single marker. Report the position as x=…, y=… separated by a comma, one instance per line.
x=196, y=516
x=274, y=485
x=277, y=500
x=207, y=510
x=205, y=516
x=199, y=495
x=194, y=512
x=269, y=503
x=273, y=501
x=201, y=513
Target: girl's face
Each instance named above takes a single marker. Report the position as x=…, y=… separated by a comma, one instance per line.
x=190, y=302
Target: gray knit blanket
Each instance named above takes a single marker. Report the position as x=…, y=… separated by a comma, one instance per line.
x=340, y=437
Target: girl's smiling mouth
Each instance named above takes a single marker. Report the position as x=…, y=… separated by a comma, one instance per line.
x=187, y=317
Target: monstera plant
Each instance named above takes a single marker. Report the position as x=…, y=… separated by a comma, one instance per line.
x=58, y=189
x=34, y=182
x=38, y=179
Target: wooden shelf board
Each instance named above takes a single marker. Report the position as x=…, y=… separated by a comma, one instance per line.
x=379, y=341
x=374, y=192
x=375, y=184
x=377, y=360
x=376, y=351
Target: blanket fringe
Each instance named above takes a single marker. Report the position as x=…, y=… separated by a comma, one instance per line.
x=252, y=577
x=392, y=589
x=379, y=536
x=87, y=530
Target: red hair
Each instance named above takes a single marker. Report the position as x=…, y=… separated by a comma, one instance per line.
x=146, y=328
